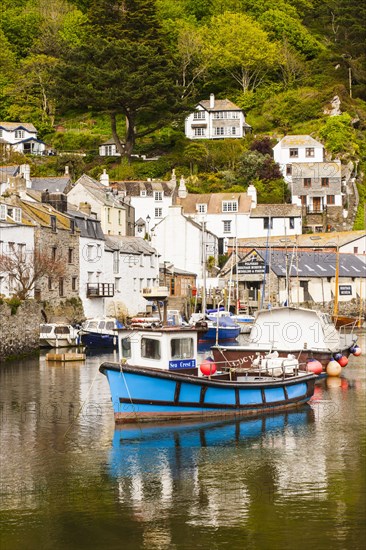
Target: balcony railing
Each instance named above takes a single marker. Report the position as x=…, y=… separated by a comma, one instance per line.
x=316, y=210
x=100, y=290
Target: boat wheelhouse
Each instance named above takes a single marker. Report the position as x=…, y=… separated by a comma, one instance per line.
x=57, y=335
x=100, y=332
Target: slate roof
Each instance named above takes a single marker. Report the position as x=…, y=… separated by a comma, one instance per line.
x=214, y=202
x=55, y=184
x=11, y=126
x=89, y=227
x=219, y=105
x=99, y=191
x=41, y=214
x=134, y=188
x=276, y=211
x=8, y=171
x=297, y=141
x=129, y=245
x=313, y=240
x=314, y=264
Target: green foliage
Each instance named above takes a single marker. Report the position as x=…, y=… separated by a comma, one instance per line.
x=13, y=303
x=272, y=192
x=294, y=106
x=360, y=218
x=338, y=135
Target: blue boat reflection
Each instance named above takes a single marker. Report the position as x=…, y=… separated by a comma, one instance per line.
x=143, y=447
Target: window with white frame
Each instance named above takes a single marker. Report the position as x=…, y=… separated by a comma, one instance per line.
x=229, y=206
x=143, y=193
x=227, y=226
x=117, y=284
x=158, y=195
x=108, y=150
x=3, y=211
x=19, y=134
x=235, y=114
x=233, y=130
x=294, y=152
x=199, y=115
x=158, y=212
x=199, y=131
x=309, y=152
x=220, y=115
x=202, y=208
x=220, y=131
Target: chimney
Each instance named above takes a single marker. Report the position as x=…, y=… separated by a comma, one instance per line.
x=174, y=177
x=104, y=178
x=252, y=193
x=212, y=101
x=24, y=169
x=85, y=207
x=66, y=170
x=182, y=190
x=57, y=200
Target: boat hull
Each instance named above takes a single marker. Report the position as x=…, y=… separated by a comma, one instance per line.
x=96, y=340
x=237, y=356
x=225, y=334
x=146, y=394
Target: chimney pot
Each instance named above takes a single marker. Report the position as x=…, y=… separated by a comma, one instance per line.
x=212, y=101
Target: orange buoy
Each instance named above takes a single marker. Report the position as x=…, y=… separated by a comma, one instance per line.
x=343, y=361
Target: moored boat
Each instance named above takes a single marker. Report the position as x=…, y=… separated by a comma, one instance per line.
x=219, y=328
x=306, y=333
x=57, y=335
x=100, y=332
x=158, y=379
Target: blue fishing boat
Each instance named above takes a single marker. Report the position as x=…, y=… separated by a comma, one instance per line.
x=158, y=378
x=220, y=328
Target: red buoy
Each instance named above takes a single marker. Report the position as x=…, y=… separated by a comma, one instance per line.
x=314, y=366
x=357, y=351
x=208, y=367
x=343, y=361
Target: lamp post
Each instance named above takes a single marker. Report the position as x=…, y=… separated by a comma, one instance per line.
x=147, y=226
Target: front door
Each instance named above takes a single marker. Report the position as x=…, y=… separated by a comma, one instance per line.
x=317, y=204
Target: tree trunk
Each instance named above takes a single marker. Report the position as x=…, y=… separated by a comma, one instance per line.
x=130, y=135
x=119, y=145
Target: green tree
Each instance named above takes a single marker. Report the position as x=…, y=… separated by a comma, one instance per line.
x=338, y=135
x=122, y=67
x=238, y=45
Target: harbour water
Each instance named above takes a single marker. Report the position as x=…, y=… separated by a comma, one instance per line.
x=71, y=480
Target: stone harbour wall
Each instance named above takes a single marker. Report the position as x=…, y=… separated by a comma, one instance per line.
x=19, y=332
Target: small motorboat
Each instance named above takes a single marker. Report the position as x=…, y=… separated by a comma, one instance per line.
x=219, y=327
x=57, y=335
x=158, y=378
x=100, y=332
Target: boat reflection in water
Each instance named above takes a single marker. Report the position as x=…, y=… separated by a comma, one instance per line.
x=154, y=447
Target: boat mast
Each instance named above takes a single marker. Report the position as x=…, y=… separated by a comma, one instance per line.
x=335, y=309
x=203, y=302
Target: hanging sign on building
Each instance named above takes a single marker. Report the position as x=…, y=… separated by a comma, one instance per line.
x=253, y=264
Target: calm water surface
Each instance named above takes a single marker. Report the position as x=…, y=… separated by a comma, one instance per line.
x=70, y=480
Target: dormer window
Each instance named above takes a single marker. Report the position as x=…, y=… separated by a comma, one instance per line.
x=158, y=195
x=202, y=208
x=17, y=215
x=143, y=193
x=229, y=206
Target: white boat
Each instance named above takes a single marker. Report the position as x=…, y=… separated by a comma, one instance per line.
x=244, y=321
x=58, y=335
x=306, y=333
x=100, y=332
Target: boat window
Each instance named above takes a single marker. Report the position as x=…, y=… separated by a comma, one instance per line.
x=150, y=349
x=181, y=348
x=62, y=330
x=91, y=325
x=109, y=325
x=126, y=347
x=101, y=324
x=46, y=329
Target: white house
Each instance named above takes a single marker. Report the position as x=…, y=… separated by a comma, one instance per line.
x=94, y=288
x=297, y=149
x=235, y=215
x=216, y=119
x=151, y=200
x=21, y=137
x=113, y=212
x=16, y=239
x=109, y=149
x=132, y=264
x=181, y=241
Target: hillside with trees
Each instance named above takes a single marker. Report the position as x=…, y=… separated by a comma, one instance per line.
x=83, y=71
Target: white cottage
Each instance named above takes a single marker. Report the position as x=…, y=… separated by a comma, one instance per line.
x=21, y=137
x=216, y=119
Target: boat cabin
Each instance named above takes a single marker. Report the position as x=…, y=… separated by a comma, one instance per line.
x=294, y=329
x=169, y=348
